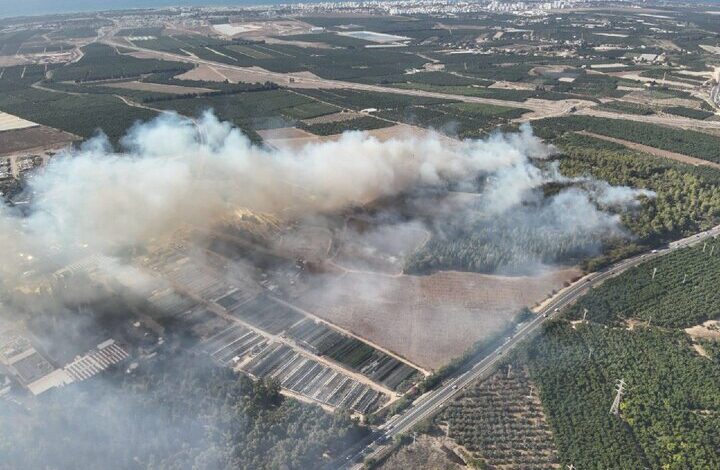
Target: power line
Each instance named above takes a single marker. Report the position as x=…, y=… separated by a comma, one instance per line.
x=620, y=388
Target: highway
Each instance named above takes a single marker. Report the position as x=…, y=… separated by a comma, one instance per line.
x=427, y=405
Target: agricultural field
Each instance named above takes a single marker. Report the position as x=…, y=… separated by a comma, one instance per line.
x=501, y=423
x=89, y=113
x=434, y=318
x=692, y=143
x=101, y=62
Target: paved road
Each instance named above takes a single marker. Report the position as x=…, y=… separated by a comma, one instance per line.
x=540, y=108
x=428, y=404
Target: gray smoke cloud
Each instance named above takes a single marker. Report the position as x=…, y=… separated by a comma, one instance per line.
x=174, y=173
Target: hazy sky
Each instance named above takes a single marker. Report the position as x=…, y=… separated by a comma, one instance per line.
x=39, y=7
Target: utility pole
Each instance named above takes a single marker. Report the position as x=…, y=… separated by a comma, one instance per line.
x=590, y=352
x=584, y=314
x=684, y=279
x=704, y=246
x=620, y=388
x=649, y=320
x=712, y=248
x=654, y=272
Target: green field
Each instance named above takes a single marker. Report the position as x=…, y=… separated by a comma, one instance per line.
x=692, y=143
x=101, y=62
x=670, y=415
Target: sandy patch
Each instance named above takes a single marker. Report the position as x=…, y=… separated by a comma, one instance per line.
x=712, y=49
x=708, y=330
x=512, y=85
x=157, y=87
x=256, y=75
x=34, y=139
x=429, y=319
x=10, y=122
x=233, y=29
x=700, y=350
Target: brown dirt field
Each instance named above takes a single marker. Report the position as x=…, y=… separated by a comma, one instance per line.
x=34, y=139
x=655, y=151
x=157, y=87
x=291, y=137
x=202, y=73
x=425, y=452
x=428, y=319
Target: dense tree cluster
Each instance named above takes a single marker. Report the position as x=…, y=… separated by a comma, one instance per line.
x=693, y=143
x=687, y=198
x=669, y=417
x=101, y=62
x=681, y=293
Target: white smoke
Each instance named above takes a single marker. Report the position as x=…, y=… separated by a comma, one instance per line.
x=175, y=172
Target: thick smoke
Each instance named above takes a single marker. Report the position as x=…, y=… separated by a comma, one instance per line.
x=175, y=173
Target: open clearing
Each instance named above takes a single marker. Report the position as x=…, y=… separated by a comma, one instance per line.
x=428, y=319
x=708, y=330
x=34, y=138
x=157, y=87
x=255, y=75
x=9, y=122
x=292, y=137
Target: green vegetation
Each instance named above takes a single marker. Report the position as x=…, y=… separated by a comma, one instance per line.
x=500, y=420
x=670, y=416
x=627, y=107
x=695, y=144
x=101, y=62
x=490, y=244
x=466, y=120
x=683, y=292
x=691, y=113
x=337, y=63
x=178, y=411
x=82, y=115
x=363, y=123
x=309, y=110
x=249, y=111
x=687, y=198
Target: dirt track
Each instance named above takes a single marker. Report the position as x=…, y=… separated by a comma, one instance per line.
x=655, y=151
